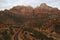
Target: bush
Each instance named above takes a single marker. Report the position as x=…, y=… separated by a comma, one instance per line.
x=6, y=36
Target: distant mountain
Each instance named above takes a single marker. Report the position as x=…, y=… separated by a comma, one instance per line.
x=27, y=23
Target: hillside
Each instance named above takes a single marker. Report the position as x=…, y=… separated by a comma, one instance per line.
x=27, y=23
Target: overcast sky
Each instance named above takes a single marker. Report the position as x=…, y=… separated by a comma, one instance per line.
x=6, y=4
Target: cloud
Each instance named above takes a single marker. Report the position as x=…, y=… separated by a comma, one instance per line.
x=6, y=4
x=34, y=3
x=10, y=3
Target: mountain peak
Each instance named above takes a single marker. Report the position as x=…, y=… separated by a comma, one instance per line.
x=44, y=6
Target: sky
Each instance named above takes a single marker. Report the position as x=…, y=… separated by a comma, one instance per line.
x=7, y=4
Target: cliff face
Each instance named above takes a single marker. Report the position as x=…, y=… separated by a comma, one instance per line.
x=24, y=23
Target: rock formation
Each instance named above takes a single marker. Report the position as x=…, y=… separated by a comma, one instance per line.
x=27, y=23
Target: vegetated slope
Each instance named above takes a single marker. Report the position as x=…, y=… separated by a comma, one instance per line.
x=27, y=23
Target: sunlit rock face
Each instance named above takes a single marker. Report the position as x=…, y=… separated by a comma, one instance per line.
x=27, y=23
x=44, y=9
x=23, y=11
x=44, y=6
